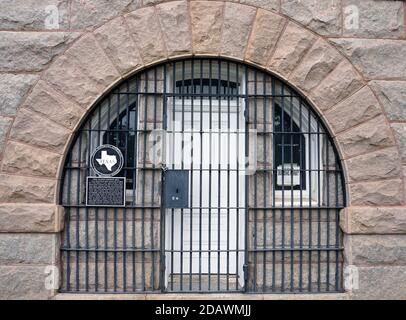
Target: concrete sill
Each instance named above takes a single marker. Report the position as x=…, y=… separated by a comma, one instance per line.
x=213, y=296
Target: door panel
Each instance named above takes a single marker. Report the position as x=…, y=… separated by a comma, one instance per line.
x=207, y=238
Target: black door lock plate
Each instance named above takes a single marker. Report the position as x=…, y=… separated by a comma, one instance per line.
x=176, y=189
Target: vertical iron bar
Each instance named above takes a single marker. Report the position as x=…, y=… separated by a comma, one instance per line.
x=310, y=200
x=255, y=187
x=164, y=158
x=201, y=176
x=238, y=178
x=78, y=202
x=219, y=173
x=292, y=212
x=135, y=178
x=192, y=172
x=127, y=133
x=210, y=167
x=152, y=217
x=182, y=167
x=228, y=175
x=265, y=180
x=173, y=167
x=68, y=223
x=144, y=161
x=274, y=180
x=115, y=209
x=302, y=167
x=87, y=171
x=96, y=226
x=318, y=210
x=247, y=150
x=283, y=186
x=106, y=287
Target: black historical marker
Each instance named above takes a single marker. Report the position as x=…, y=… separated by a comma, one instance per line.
x=105, y=192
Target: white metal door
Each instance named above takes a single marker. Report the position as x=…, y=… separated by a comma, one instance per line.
x=208, y=238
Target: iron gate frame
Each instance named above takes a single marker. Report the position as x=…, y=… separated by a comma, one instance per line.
x=246, y=96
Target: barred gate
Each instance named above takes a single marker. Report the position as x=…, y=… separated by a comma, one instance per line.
x=263, y=182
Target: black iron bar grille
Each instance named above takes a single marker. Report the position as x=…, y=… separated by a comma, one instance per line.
x=265, y=188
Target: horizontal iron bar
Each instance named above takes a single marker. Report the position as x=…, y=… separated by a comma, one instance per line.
x=270, y=292
x=185, y=95
x=109, y=250
x=208, y=131
x=159, y=292
x=215, y=170
x=298, y=249
x=213, y=208
x=211, y=250
x=110, y=291
x=110, y=207
x=294, y=207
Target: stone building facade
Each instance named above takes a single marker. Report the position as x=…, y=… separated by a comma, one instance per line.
x=60, y=58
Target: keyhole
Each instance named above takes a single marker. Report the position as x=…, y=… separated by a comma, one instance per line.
x=177, y=190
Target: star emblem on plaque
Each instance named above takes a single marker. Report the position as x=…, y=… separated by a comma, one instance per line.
x=107, y=161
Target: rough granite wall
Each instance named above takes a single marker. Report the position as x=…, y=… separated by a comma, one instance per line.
x=328, y=35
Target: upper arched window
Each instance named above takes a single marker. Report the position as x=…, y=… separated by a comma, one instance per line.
x=232, y=184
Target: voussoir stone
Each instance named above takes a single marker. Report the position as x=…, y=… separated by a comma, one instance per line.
x=90, y=13
x=384, y=59
x=13, y=89
x=31, y=51
x=118, y=44
x=53, y=105
x=374, y=166
x=392, y=95
x=68, y=77
x=31, y=218
x=20, y=189
x=375, y=19
x=377, y=193
x=207, y=22
x=292, y=47
x=321, y=59
x=94, y=61
x=338, y=85
x=367, y=137
x=360, y=107
x=24, y=159
x=369, y=220
x=400, y=134
x=266, y=30
x=32, y=129
x=145, y=28
x=34, y=14
x=174, y=18
x=238, y=20
x=323, y=17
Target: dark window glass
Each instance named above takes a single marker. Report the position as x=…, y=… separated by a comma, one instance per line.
x=290, y=153
x=122, y=133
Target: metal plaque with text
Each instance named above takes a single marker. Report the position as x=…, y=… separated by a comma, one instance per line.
x=105, y=192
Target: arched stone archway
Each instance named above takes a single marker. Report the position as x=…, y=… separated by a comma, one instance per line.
x=45, y=122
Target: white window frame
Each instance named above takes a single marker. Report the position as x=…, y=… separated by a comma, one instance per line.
x=301, y=198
